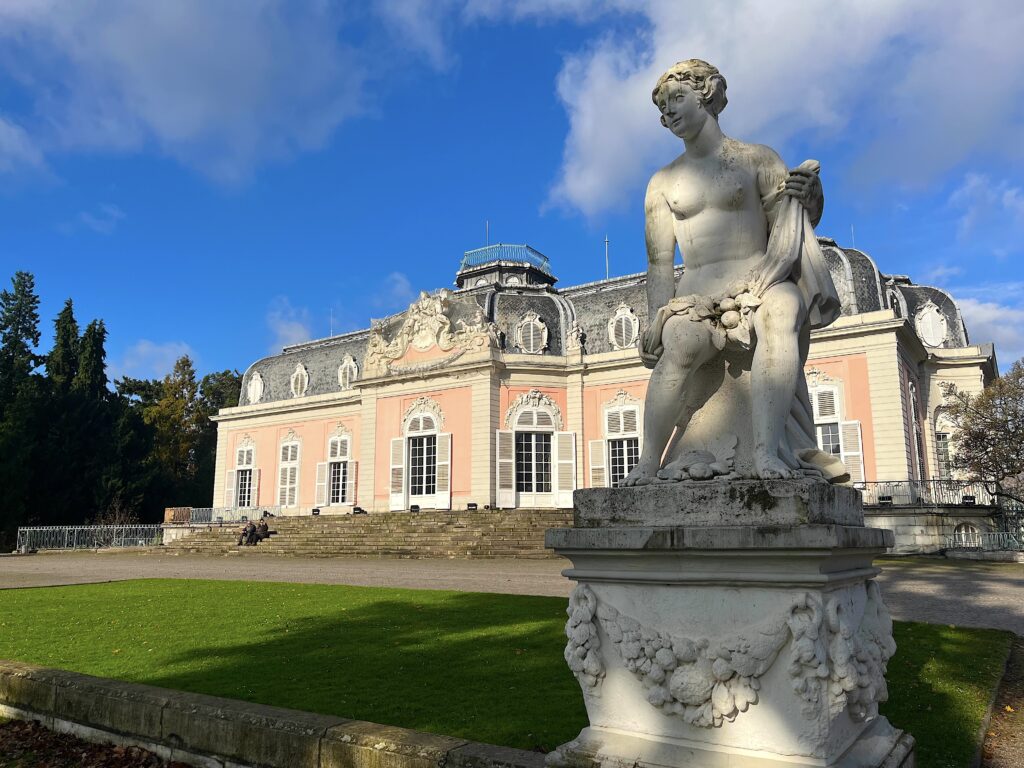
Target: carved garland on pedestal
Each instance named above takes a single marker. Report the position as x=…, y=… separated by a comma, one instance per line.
x=532, y=400
x=711, y=680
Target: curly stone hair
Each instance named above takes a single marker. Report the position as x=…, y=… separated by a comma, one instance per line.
x=704, y=78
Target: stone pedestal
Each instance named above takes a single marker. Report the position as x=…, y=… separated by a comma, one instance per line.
x=728, y=624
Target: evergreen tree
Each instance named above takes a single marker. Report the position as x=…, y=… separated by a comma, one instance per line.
x=216, y=390
x=19, y=334
x=91, y=377
x=62, y=362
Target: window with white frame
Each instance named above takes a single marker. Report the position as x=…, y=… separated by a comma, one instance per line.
x=299, y=381
x=622, y=431
x=348, y=372
x=916, y=432
x=536, y=462
x=242, y=483
x=288, y=475
x=336, y=477
x=623, y=328
x=421, y=463
x=532, y=334
x=943, y=459
x=836, y=435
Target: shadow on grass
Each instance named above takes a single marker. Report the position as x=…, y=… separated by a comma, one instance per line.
x=483, y=667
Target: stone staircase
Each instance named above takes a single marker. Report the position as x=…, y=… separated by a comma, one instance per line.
x=482, y=534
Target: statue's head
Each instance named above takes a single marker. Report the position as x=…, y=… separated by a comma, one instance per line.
x=703, y=78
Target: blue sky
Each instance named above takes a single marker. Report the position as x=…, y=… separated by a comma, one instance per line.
x=221, y=178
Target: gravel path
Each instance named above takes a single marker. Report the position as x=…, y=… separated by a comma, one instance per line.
x=933, y=590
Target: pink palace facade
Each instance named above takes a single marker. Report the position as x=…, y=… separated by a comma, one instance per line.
x=508, y=392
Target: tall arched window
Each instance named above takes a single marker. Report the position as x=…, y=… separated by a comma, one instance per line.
x=242, y=487
x=917, y=435
x=614, y=457
x=536, y=461
x=421, y=460
x=288, y=472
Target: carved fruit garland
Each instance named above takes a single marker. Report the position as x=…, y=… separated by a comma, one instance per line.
x=710, y=681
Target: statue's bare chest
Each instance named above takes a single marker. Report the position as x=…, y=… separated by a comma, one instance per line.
x=692, y=190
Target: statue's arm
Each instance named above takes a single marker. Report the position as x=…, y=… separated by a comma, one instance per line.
x=661, y=248
x=776, y=182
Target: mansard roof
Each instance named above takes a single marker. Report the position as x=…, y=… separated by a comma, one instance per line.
x=493, y=298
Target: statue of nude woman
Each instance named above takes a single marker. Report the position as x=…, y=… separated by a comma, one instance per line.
x=754, y=285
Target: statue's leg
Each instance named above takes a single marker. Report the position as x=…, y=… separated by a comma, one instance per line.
x=687, y=346
x=774, y=374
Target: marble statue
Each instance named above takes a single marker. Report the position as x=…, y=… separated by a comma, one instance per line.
x=728, y=343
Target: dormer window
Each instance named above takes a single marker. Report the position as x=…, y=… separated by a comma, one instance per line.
x=299, y=381
x=348, y=372
x=513, y=280
x=532, y=334
x=623, y=328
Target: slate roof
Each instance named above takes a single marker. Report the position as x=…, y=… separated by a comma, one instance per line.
x=861, y=287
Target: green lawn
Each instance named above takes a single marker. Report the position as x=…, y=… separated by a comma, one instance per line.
x=481, y=666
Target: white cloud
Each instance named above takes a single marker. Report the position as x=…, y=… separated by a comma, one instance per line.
x=941, y=273
x=289, y=324
x=221, y=87
x=102, y=220
x=17, y=150
x=419, y=26
x=913, y=91
x=990, y=211
x=395, y=293
x=1000, y=323
x=147, y=359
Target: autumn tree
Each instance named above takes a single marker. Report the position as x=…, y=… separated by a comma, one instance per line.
x=988, y=434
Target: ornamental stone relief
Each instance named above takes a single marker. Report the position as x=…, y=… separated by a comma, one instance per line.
x=424, y=405
x=835, y=656
x=534, y=399
x=255, y=388
x=425, y=326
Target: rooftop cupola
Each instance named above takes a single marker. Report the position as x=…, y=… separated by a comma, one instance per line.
x=504, y=264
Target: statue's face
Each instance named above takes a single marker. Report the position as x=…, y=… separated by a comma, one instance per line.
x=681, y=109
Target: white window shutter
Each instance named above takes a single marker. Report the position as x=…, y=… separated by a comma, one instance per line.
x=565, y=468
x=343, y=449
x=598, y=473
x=229, y=490
x=350, y=482
x=321, y=484
x=506, y=469
x=613, y=422
x=254, y=494
x=293, y=486
x=630, y=421
x=852, y=450
x=443, y=489
x=825, y=405
x=397, y=474
x=282, y=487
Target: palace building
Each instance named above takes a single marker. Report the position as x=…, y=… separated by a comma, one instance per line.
x=509, y=392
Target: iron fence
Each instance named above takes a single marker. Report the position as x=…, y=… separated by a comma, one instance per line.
x=89, y=536
x=929, y=493
x=987, y=542
x=214, y=515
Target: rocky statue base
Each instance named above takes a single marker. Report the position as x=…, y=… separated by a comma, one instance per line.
x=728, y=624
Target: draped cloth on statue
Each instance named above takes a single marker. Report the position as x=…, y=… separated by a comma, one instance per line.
x=795, y=254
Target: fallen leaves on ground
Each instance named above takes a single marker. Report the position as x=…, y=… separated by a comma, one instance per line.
x=30, y=745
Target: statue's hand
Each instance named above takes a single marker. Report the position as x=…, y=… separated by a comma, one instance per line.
x=803, y=185
x=650, y=345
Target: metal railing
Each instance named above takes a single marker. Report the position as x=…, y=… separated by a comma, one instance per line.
x=987, y=542
x=88, y=536
x=930, y=493
x=215, y=515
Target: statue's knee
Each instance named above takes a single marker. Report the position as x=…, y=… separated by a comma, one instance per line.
x=782, y=313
